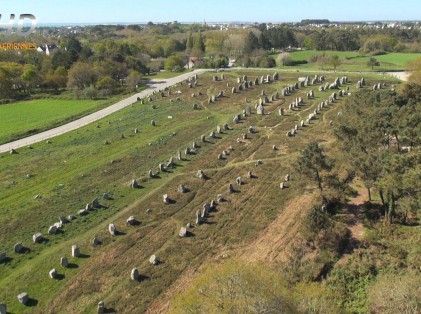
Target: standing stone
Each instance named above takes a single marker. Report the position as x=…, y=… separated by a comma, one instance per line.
x=166, y=199
x=203, y=138
x=23, y=298
x=281, y=185
x=135, y=275
x=183, y=232
x=112, y=229
x=64, y=262
x=101, y=307
x=153, y=260
x=96, y=241
x=200, y=174
x=75, y=251
x=53, y=273
x=37, y=237
x=131, y=221
x=153, y=123
x=230, y=188
x=182, y=189
x=19, y=248
x=134, y=184
x=239, y=181
x=287, y=177
x=3, y=257
x=3, y=308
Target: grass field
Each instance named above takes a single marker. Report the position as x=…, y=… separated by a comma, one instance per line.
x=23, y=118
x=354, y=61
x=79, y=166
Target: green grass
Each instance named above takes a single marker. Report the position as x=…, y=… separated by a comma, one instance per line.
x=164, y=74
x=78, y=166
x=23, y=118
x=354, y=61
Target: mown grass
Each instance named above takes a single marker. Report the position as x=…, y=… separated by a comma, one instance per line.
x=23, y=118
x=78, y=166
x=353, y=61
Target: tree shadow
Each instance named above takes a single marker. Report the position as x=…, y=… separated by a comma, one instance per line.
x=72, y=266
x=118, y=233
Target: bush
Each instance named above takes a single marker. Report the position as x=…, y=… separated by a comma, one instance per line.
x=289, y=62
x=393, y=293
x=267, y=62
x=234, y=287
x=90, y=92
x=173, y=63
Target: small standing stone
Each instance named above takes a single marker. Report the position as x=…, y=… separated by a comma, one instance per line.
x=101, y=307
x=53, y=273
x=3, y=308
x=37, y=237
x=183, y=232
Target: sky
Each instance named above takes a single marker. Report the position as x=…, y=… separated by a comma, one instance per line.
x=132, y=11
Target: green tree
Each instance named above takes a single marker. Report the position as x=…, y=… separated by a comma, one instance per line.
x=334, y=61
x=81, y=75
x=30, y=76
x=106, y=85
x=372, y=62
x=198, y=45
x=314, y=164
x=173, y=63
x=251, y=43
x=133, y=79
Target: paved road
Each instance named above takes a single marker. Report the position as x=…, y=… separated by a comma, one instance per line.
x=76, y=124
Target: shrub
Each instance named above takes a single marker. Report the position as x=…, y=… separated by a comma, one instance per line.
x=235, y=287
x=393, y=293
x=267, y=62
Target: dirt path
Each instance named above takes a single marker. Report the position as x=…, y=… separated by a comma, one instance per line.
x=76, y=124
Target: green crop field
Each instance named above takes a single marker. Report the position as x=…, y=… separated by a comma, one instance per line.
x=50, y=180
x=353, y=61
x=27, y=117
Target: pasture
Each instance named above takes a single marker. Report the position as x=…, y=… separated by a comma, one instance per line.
x=50, y=180
x=353, y=61
x=20, y=119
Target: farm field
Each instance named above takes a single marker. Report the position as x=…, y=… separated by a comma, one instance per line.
x=354, y=61
x=39, y=185
x=24, y=118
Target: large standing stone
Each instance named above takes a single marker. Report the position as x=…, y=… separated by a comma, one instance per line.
x=64, y=262
x=135, y=275
x=75, y=251
x=153, y=260
x=112, y=229
x=23, y=298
